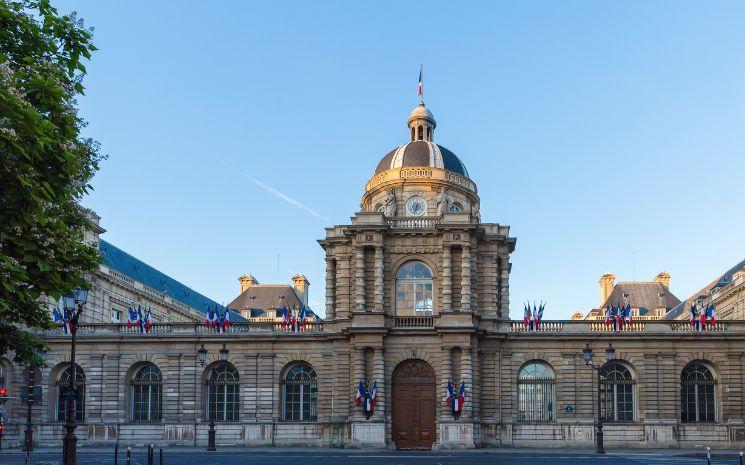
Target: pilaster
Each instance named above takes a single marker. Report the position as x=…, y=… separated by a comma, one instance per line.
x=447, y=278
x=465, y=279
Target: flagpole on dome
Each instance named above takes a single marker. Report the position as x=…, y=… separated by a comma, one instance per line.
x=420, y=91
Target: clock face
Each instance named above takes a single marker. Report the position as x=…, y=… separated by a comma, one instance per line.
x=416, y=206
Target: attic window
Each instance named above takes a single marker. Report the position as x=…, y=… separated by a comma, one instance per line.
x=625, y=295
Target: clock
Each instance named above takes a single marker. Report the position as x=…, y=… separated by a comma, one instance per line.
x=416, y=206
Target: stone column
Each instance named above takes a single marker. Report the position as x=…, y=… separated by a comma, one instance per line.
x=379, y=376
x=379, y=291
x=359, y=375
x=447, y=279
x=466, y=372
x=447, y=375
x=359, y=273
x=330, y=286
x=465, y=280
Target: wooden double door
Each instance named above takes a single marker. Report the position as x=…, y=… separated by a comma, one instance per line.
x=414, y=405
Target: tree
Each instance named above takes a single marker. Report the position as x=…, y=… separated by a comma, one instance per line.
x=45, y=169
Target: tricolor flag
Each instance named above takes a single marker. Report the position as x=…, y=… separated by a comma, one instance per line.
x=695, y=322
x=208, y=318
x=285, y=318
x=461, y=396
x=133, y=318
x=618, y=326
x=302, y=317
x=627, y=315
x=141, y=320
x=360, y=393
x=449, y=394
x=526, y=315
x=702, y=317
x=538, y=315
x=148, y=321
x=61, y=320
x=293, y=320
x=372, y=396
x=421, y=90
x=710, y=314
x=226, y=320
x=608, y=315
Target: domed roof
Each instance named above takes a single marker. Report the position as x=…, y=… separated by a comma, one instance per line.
x=421, y=112
x=422, y=153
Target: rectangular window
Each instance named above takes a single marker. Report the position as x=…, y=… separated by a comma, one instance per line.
x=116, y=316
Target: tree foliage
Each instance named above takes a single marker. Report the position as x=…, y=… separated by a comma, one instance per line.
x=45, y=168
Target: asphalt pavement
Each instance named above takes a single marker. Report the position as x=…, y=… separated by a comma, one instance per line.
x=290, y=456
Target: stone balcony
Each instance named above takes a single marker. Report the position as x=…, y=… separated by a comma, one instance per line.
x=186, y=329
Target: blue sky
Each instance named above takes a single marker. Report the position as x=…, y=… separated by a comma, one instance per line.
x=609, y=135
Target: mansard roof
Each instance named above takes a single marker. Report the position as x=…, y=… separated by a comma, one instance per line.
x=642, y=295
x=263, y=296
x=119, y=260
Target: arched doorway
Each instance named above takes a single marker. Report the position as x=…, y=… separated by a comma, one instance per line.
x=413, y=405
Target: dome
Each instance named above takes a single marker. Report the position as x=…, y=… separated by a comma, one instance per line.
x=422, y=153
x=421, y=112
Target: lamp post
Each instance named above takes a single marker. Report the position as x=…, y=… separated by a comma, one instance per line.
x=610, y=353
x=73, y=305
x=202, y=355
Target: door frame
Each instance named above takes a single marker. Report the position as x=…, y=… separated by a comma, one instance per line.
x=429, y=380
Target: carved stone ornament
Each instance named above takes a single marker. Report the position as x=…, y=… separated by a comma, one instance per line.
x=389, y=207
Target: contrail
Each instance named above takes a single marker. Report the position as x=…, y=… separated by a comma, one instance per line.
x=274, y=191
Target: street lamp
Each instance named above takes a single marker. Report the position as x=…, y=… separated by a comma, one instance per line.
x=610, y=354
x=202, y=354
x=73, y=306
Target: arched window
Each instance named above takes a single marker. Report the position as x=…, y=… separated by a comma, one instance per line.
x=429, y=133
x=147, y=384
x=414, y=289
x=63, y=385
x=412, y=134
x=222, y=393
x=697, y=393
x=616, y=393
x=536, y=396
x=421, y=133
x=454, y=208
x=299, y=392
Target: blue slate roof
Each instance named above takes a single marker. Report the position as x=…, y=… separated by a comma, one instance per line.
x=136, y=269
x=682, y=308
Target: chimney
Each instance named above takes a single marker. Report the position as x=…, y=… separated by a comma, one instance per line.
x=663, y=278
x=607, y=281
x=247, y=281
x=301, y=285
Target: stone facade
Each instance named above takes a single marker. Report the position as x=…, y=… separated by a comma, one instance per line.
x=449, y=314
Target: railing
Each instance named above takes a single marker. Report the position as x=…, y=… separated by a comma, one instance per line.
x=626, y=328
x=686, y=326
x=154, y=329
x=543, y=327
x=160, y=329
x=414, y=223
x=414, y=321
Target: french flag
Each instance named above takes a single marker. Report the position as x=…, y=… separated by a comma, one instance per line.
x=372, y=397
x=526, y=315
x=208, y=318
x=695, y=323
x=60, y=320
x=421, y=90
x=710, y=314
x=148, y=321
x=226, y=320
x=133, y=318
x=449, y=394
x=461, y=396
x=360, y=394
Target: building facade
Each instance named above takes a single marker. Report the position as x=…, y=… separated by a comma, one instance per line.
x=648, y=300
x=417, y=296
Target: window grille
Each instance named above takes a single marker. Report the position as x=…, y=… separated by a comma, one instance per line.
x=616, y=393
x=222, y=393
x=300, y=394
x=414, y=289
x=147, y=391
x=62, y=387
x=536, y=394
x=697, y=395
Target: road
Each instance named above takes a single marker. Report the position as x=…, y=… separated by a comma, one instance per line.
x=357, y=457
